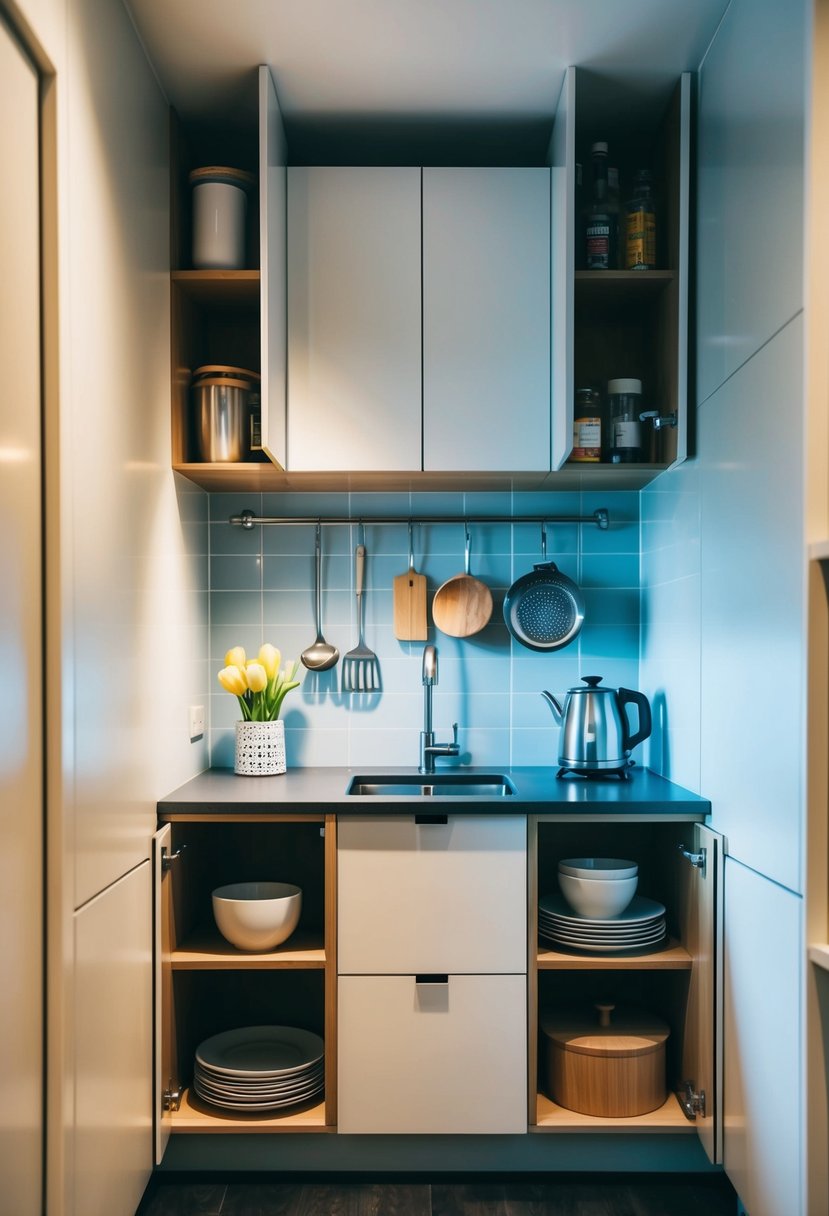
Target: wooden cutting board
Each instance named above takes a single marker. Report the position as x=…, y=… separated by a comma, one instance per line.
x=409, y=601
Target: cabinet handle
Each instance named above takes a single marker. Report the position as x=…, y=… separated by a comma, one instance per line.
x=437, y=819
x=696, y=859
x=429, y=977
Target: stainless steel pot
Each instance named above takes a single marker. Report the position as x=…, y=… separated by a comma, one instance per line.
x=595, y=729
x=221, y=410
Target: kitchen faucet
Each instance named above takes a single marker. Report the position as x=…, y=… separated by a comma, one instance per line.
x=428, y=748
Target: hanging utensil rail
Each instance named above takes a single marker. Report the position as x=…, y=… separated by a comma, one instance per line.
x=247, y=519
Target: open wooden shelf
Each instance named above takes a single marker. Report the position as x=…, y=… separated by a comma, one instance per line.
x=670, y=957
x=819, y=955
x=206, y=950
x=635, y=284
x=553, y=1118
x=219, y=286
x=196, y=1116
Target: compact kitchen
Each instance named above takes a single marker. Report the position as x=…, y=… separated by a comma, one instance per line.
x=415, y=510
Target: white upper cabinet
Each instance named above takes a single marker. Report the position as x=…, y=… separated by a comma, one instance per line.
x=354, y=301
x=486, y=319
x=561, y=157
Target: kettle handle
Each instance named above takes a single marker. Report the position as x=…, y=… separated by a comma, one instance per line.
x=627, y=695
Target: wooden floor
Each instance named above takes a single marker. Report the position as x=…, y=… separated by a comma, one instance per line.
x=608, y=1195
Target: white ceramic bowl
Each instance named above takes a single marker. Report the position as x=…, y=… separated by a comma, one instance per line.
x=257, y=915
x=598, y=867
x=599, y=897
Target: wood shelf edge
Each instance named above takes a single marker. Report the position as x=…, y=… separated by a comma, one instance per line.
x=666, y=1119
x=819, y=550
x=819, y=955
x=672, y=957
x=205, y=950
x=194, y=1116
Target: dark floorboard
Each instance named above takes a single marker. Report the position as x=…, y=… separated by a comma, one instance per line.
x=613, y=1195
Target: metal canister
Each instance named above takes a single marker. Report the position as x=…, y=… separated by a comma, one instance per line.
x=587, y=426
x=222, y=412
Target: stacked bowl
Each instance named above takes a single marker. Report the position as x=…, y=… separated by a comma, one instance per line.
x=598, y=909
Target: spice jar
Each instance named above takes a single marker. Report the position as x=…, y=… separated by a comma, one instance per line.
x=587, y=426
x=624, y=404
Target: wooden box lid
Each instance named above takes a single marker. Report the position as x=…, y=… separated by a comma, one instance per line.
x=605, y=1030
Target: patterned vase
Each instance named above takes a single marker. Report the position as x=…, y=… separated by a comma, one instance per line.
x=260, y=748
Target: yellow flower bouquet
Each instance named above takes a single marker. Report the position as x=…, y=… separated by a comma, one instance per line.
x=258, y=684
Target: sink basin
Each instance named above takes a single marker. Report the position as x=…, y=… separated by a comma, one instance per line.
x=438, y=785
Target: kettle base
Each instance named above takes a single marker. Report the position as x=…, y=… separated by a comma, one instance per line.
x=593, y=774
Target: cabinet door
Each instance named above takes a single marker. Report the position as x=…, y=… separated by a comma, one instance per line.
x=112, y=1032
x=561, y=157
x=163, y=1036
x=419, y=897
x=486, y=319
x=354, y=301
x=699, y=909
x=273, y=256
x=432, y=1055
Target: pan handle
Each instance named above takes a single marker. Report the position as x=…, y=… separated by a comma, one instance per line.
x=628, y=696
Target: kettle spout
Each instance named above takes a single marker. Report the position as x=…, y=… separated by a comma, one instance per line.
x=558, y=712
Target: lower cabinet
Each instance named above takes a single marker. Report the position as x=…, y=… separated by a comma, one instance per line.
x=205, y=985
x=679, y=982
x=432, y=1053
x=111, y=1045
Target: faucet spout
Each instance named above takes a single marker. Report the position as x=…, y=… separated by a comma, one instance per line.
x=429, y=749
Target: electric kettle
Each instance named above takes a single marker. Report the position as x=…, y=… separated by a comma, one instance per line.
x=596, y=736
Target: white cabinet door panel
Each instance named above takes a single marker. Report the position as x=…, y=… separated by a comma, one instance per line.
x=752, y=609
x=113, y=1043
x=354, y=363
x=486, y=319
x=764, y=955
x=432, y=1057
x=273, y=189
x=750, y=158
x=562, y=159
x=448, y=897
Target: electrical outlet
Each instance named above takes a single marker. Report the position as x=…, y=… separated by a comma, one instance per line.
x=196, y=722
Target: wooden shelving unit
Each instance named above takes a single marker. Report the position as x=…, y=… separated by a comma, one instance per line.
x=194, y=1115
x=206, y=950
x=553, y=1118
x=670, y=957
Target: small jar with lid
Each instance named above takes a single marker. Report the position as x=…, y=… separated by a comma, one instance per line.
x=624, y=405
x=587, y=426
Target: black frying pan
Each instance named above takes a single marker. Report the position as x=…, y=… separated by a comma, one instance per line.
x=544, y=610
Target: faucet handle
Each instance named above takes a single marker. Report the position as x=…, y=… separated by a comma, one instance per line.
x=455, y=733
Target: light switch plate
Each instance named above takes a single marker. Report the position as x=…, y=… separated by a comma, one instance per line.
x=196, y=722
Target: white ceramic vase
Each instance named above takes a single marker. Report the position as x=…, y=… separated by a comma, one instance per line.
x=260, y=748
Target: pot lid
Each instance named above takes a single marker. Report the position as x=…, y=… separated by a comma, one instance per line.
x=592, y=683
x=605, y=1030
x=221, y=173
x=223, y=369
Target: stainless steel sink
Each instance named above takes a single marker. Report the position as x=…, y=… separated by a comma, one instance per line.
x=441, y=785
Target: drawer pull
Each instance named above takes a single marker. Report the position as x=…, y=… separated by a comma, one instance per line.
x=438, y=819
x=429, y=977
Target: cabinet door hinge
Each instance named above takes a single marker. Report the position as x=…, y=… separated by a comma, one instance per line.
x=167, y=859
x=696, y=859
x=692, y=1103
x=171, y=1098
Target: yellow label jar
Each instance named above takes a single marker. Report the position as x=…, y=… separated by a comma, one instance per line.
x=587, y=426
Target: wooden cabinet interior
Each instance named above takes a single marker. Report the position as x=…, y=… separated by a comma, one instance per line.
x=215, y=987
x=628, y=323
x=659, y=981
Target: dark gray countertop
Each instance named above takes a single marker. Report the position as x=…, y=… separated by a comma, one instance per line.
x=538, y=791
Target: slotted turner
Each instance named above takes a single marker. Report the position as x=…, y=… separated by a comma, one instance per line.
x=360, y=669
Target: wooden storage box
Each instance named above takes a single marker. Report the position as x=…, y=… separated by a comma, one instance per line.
x=605, y=1061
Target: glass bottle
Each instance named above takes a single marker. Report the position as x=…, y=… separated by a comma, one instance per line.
x=624, y=404
x=600, y=229
x=587, y=426
x=640, y=224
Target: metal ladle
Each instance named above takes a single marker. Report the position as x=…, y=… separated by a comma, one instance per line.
x=320, y=655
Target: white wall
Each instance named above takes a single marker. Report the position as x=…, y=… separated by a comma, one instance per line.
x=723, y=646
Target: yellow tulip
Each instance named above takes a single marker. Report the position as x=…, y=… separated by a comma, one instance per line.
x=232, y=679
x=257, y=677
x=270, y=658
x=236, y=657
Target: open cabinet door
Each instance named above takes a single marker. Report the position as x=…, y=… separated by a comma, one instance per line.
x=699, y=874
x=561, y=158
x=163, y=1080
x=273, y=185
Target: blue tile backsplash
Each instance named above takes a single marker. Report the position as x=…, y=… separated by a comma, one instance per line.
x=262, y=589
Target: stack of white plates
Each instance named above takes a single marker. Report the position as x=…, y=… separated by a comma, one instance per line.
x=259, y=1068
x=640, y=927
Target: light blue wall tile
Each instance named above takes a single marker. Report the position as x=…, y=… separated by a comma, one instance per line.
x=222, y=506
x=489, y=683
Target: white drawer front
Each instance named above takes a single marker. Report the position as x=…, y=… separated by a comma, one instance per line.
x=445, y=897
x=432, y=1057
